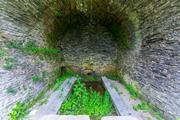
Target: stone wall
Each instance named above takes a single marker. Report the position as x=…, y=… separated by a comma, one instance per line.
x=89, y=47
x=21, y=21
x=153, y=60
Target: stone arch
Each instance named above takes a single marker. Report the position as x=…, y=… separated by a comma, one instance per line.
x=153, y=62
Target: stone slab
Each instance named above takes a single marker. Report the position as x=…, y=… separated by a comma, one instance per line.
x=122, y=108
x=55, y=100
x=62, y=117
x=119, y=118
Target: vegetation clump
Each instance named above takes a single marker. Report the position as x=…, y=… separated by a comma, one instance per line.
x=2, y=53
x=130, y=88
x=18, y=112
x=31, y=48
x=9, y=63
x=68, y=74
x=85, y=101
x=11, y=90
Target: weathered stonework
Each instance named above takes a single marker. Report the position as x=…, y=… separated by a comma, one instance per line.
x=16, y=84
x=154, y=60
x=89, y=47
x=155, y=63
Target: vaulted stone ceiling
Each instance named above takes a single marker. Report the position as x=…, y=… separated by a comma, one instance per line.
x=154, y=26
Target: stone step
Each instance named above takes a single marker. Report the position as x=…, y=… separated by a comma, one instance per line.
x=122, y=107
x=119, y=118
x=62, y=117
x=55, y=100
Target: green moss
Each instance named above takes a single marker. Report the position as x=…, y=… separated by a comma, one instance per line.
x=134, y=17
x=58, y=13
x=31, y=48
x=9, y=63
x=2, y=53
x=11, y=90
x=14, y=44
x=36, y=78
x=89, y=77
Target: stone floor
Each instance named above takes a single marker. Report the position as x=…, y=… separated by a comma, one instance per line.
x=127, y=98
x=82, y=117
x=121, y=91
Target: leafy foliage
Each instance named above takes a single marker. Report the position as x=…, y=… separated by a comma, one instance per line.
x=68, y=74
x=143, y=106
x=14, y=44
x=36, y=78
x=31, y=48
x=2, y=53
x=18, y=112
x=9, y=63
x=83, y=101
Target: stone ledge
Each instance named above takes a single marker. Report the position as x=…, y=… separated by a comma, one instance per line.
x=55, y=100
x=62, y=117
x=119, y=118
x=122, y=108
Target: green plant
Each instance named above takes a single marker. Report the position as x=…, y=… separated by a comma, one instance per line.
x=143, y=106
x=18, y=112
x=36, y=78
x=9, y=63
x=11, y=90
x=132, y=90
x=44, y=74
x=158, y=115
x=146, y=107
x=2, y=53
x=58, y=13
x=90, y=77
x=31, y=47
x=68, y=74
x=14, y=44
x=84, y=101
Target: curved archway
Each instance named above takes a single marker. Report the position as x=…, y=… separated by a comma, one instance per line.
x=151, y=29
